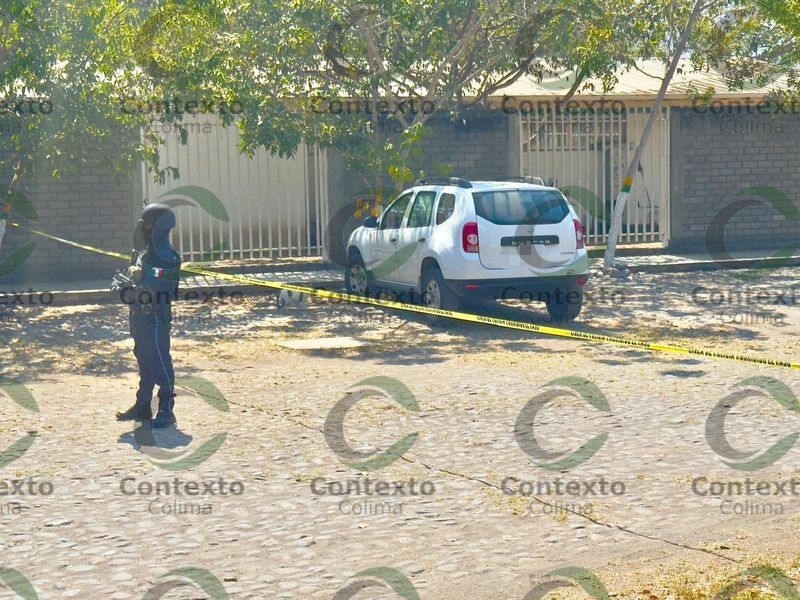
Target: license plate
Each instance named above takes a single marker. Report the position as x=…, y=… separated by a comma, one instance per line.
x=535, y=240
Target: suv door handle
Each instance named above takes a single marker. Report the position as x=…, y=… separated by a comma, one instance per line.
x=422, y=239
x=393, y=240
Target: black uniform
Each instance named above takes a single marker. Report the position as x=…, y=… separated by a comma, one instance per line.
x=148, y=287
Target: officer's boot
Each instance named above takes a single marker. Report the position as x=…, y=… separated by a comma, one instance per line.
x=141, y=411
x=165, y=416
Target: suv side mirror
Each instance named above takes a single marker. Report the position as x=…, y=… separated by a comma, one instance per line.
x=370, y=222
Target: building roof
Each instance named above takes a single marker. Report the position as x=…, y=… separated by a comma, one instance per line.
x=641, y=83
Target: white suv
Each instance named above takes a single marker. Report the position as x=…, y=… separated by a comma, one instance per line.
x=448, y=239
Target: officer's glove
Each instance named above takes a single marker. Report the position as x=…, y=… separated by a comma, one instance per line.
x=121, y=282
x=135, y=273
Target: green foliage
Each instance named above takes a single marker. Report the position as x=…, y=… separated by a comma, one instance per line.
x=784, y=17
x=447, y=55
x=286, y=62
x=751, y=40
x=83, y=59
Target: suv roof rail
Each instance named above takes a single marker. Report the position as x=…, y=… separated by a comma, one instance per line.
x=456, y=181
x=526, y=179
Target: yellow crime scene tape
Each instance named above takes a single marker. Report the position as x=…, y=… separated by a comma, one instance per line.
x=460, y=316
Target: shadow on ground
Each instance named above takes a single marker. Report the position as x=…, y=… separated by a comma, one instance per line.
x=679, y=308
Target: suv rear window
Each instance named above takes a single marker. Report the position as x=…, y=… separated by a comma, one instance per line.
x=521, y=207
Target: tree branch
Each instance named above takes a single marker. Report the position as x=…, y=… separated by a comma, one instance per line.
x=456, y=51
x=579, y=77
x=377, y=62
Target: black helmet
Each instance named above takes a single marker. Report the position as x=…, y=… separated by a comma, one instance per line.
x=160, y=216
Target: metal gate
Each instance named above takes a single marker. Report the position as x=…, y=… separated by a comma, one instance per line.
x=585, y=152
x=231, y=206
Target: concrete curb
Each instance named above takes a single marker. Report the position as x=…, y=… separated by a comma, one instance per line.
x=201, y=293
x=715, y=265
x=281, y=268
x=198, y=294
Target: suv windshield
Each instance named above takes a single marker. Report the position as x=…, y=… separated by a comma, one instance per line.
x=521, y=207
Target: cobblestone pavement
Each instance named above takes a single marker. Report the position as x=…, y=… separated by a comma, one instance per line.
x=248, y=490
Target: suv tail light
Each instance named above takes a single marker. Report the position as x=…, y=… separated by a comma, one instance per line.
x=469, y=238
x=578, y=234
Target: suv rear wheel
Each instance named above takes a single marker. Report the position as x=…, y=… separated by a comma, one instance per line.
x=355, y=275
x=565, y=306
x=435, y=293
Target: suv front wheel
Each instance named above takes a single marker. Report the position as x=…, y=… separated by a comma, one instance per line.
x=356, y=278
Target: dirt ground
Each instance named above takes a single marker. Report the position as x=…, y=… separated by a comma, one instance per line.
x=461, y=521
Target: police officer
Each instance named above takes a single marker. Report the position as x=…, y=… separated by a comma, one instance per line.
x=148, y=287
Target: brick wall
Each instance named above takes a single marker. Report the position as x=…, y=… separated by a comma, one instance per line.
x=97, y=207
x=477, y=146
x=93, y=206
x=715, y=157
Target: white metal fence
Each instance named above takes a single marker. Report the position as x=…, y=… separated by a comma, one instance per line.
x=586, y=153
x=271, y=207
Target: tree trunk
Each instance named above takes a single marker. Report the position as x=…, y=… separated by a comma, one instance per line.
x=622, y=198
x=6, y=210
